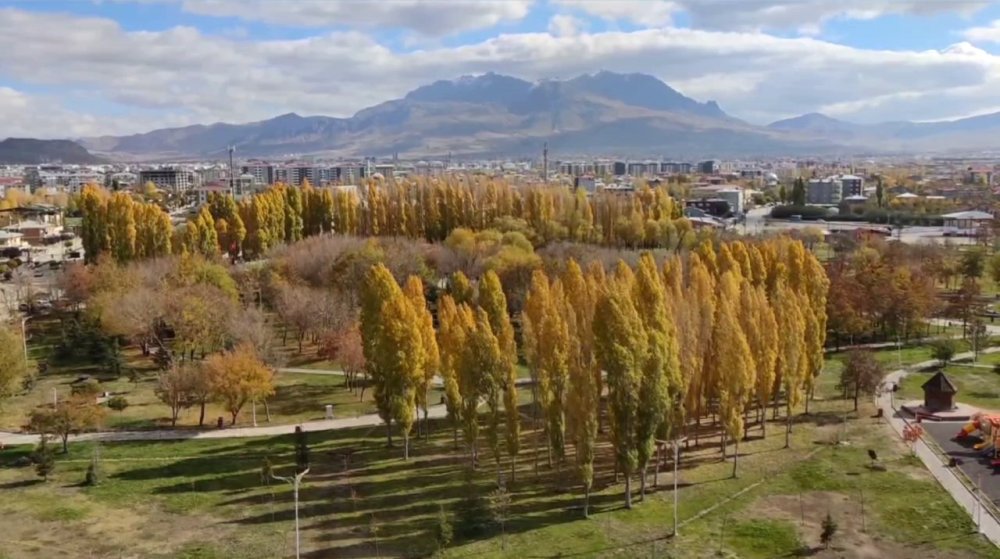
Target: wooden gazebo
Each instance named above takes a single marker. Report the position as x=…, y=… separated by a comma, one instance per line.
x=939, y=393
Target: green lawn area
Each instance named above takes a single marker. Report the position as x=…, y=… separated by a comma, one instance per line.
x=976, y=386
x=205, y=499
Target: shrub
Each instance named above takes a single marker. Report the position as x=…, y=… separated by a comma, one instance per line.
x=118, y=403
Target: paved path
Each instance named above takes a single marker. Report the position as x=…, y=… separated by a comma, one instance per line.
x=988, y=525
x=369, y=420
x=300, y=371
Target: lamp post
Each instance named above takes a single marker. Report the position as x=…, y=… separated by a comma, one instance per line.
x=677, y=446
x=295, y=481
x=24, y=338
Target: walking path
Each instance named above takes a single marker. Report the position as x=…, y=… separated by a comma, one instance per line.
x=370, y=420
x=947, y=477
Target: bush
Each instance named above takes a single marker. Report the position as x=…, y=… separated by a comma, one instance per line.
x=89, y=387
x=44, y=458
x=118, y=403
x=443, y=531
x=829, y=530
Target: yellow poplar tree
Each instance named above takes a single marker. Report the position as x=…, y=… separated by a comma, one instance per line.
x=493, y=301
x=732, y=360
x=621, y=348
x=414, y=290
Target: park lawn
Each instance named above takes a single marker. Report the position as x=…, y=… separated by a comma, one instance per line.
x=204, y=498
x=977, y=386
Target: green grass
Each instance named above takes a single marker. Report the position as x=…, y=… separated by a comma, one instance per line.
x=764, y=538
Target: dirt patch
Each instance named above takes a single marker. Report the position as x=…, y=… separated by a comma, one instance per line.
x=855, y=538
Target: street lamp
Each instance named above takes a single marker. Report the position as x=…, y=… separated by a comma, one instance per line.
x=24, y=338
x=677, y=445
x=295, y=481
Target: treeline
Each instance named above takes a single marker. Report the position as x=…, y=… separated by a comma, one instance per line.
x=716, y=331
x=422, y=208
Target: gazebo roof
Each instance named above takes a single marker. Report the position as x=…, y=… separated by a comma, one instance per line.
x=940, y=383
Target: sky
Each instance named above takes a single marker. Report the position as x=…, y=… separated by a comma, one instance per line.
x=92, y=67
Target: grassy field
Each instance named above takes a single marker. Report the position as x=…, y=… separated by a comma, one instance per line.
x=204, y=499
x=298, y=397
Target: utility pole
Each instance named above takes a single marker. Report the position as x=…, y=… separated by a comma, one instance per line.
x=232, y=176
x=545, y=162
x=295, y=481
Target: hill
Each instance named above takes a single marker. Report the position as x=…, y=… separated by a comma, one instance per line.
x=27, y=151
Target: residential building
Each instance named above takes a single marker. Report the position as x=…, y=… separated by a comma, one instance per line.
x=172, y=179
x=851, y=185
x=824, y=192
x=709, y=167
x=34, y=232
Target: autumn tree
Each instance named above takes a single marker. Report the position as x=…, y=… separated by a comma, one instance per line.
x=13, y=367
x=583, y=397
x=237, y=377
x=861, y=374
x=493, y=301
x=394, y=350
x=414, y=290
x=661, y=363
x=732, y=361
x=177, y=387
x=621, y=347
x=455, y=324
x=70, y=415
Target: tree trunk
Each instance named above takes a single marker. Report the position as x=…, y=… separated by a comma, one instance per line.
x=454, y=432
x=427, y=430
x=723, y=446
x=628, y=491
x=406, y=445
x=586, y=501
x=267, y=410
x=788, y=428
x=656, y=469
x=235, y=413
x=388, y=433
x=65, y=441
x=856, y=393
x=513, y=467
x=736, y=456
x=201, y=418
x=642, y=482
x=173, y=416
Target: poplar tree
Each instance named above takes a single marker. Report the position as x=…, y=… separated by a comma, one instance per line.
x=400, y=361
x=378, y=289
x=699, y=319
x=732, y=360
x=415, y=293
x=661, y=368
x=536, y=305
x=494, y=302
x=454, y=323
x=583, y=399
x=554, y=347
x=621, y=347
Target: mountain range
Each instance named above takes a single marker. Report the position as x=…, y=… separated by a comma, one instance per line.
x=488, y=115
x=493, y=115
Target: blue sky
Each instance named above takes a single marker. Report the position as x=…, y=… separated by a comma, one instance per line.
x=86, y=67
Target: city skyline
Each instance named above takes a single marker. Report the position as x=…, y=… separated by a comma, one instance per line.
x=93, y=68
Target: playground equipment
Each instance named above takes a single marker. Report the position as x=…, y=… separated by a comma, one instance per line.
x=988, y=427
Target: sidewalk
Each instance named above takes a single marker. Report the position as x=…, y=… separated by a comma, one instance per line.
x=989, y=526
x=370, y=420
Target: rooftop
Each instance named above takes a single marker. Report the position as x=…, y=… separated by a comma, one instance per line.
x=972, y=214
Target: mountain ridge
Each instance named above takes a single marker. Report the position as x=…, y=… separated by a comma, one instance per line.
x=494, y=115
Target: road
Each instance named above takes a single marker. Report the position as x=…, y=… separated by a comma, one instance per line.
x=369, y=420
x=757, y=222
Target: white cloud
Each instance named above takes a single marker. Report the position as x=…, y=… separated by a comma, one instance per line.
x=181, y=75
x=808, y=16
x=985, y=34
x=427, y=17
x=562, y=25
x=650, y=13
x=25, y=115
